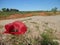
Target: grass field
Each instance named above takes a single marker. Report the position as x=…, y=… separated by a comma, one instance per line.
x=43, y=27
x=36, y=25
x=22, y=14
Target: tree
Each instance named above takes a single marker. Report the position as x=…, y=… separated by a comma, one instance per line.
x=54, y=10
x=14, y=10
x=5, y=9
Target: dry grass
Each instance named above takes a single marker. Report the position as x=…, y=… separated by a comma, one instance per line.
x=1, y=26
x=35, y=26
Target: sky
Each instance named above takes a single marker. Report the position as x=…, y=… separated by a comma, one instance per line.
x=30, y=5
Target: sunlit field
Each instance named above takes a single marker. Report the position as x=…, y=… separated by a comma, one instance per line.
x=41, y=30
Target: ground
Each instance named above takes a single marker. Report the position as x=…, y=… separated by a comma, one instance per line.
x=22, y=15
x=37, y=24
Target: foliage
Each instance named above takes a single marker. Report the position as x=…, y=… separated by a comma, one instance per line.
x=48, y=38
x=14, y=10
x=5, y=12
x=7, y=9
x=54, y=10
x=4, y=9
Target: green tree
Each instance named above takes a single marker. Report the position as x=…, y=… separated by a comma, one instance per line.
x=14, y=10
x=5, y=9
x=54, y=10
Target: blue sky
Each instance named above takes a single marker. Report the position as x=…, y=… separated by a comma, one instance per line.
x=30, y=5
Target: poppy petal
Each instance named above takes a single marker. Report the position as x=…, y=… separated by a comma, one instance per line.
x=16, y=27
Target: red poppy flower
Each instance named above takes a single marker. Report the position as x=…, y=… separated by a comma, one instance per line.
x=16, y=27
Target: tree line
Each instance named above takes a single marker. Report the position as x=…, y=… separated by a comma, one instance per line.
x=54, y=10
x=7, y=9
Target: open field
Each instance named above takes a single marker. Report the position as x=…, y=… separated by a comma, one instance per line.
x=37, y=24
x=14, y=15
